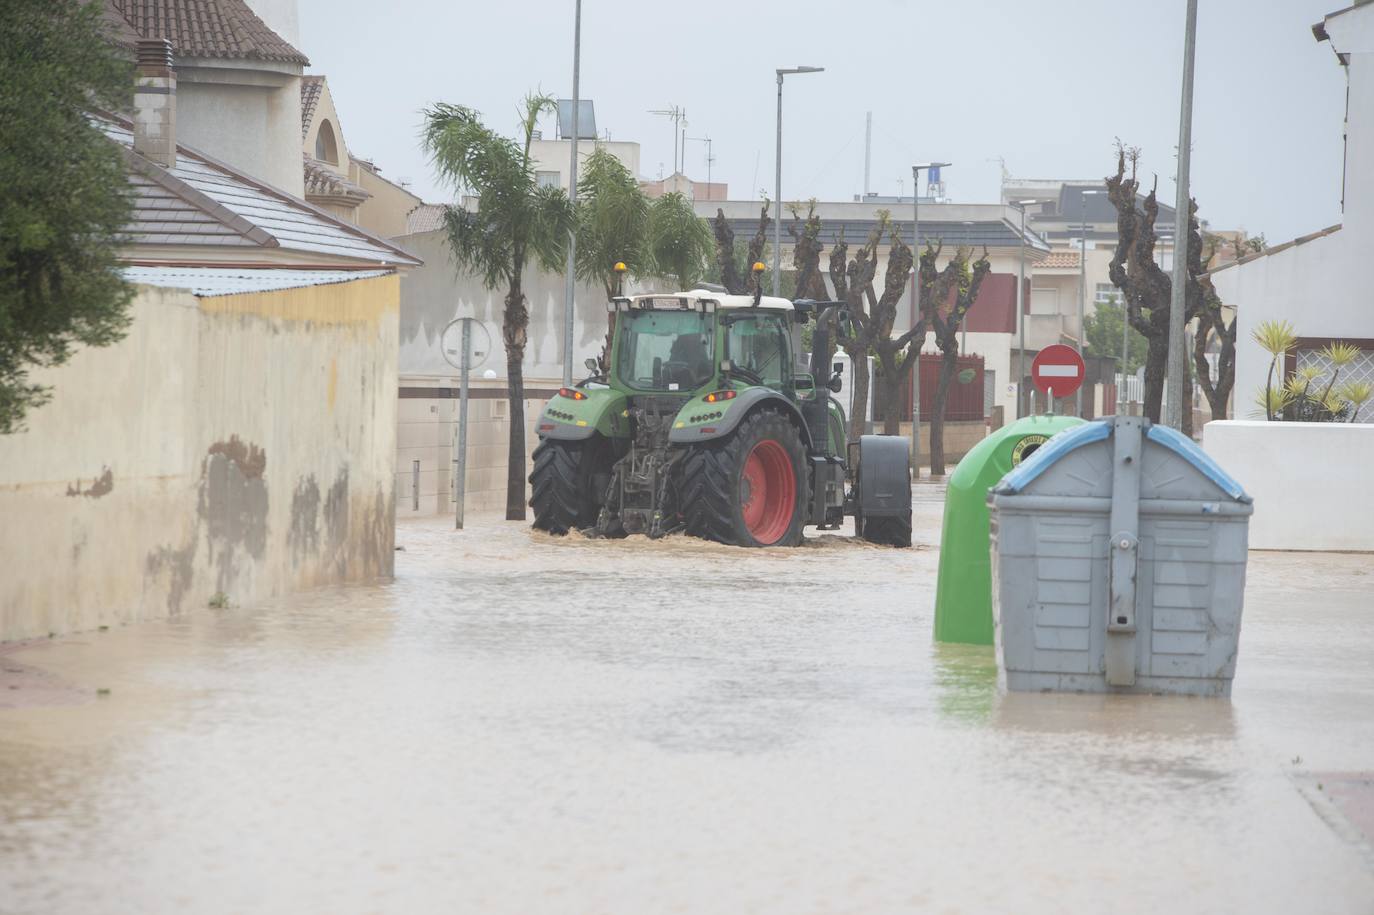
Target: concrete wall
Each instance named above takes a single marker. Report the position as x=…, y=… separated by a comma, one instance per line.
x=1309, y=481
x=241, y=445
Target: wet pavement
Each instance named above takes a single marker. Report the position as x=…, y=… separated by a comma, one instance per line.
x=524, y=724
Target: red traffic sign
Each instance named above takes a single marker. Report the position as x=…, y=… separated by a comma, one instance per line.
x=1057, y=370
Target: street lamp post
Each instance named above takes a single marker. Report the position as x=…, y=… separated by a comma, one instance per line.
x=777, y=183
x=1021, y=315
x=570, y=279
x=1083, y=278
x=1177, y=298
x=916, y=311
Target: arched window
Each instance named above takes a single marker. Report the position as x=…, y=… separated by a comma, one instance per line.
x=326, y=149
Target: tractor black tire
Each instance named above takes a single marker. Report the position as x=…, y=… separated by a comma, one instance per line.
x=712, y=482
x=564, y=495
x=889, y=531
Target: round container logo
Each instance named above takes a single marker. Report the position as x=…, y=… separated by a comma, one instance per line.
x=1026, y=447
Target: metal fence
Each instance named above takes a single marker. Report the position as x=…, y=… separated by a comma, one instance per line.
x=966, y=392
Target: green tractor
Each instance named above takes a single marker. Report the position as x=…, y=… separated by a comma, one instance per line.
x=703, y=423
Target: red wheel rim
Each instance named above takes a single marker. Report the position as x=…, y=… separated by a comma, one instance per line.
x=768, y=492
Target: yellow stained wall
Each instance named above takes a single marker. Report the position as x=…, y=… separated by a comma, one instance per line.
x=242, y=445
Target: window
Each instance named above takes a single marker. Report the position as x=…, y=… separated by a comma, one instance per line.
x=548, y=179
x=1106, y=294
x=759, y=344
x=326, y=147
x=664, y=350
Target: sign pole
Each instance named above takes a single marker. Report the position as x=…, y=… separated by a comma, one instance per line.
x=460, y=478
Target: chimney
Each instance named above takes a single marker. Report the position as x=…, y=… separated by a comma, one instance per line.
x=155, y=102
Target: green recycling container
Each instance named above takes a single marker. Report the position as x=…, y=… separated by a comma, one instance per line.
x=963, y=593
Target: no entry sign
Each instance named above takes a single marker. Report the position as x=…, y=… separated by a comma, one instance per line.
x=1057, y=370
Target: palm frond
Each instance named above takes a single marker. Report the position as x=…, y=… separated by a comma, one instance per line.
x=1270, y=402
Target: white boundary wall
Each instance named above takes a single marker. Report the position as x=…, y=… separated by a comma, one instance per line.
x=1310, y=481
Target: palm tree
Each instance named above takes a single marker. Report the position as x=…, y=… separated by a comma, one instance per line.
x=515, y=223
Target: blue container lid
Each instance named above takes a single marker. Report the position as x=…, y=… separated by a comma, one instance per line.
x=1071, y=439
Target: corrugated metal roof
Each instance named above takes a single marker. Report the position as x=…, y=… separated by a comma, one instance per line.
x=212, y=281
x=203, y=202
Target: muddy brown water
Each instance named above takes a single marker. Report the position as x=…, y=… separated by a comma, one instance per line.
x=524, y=724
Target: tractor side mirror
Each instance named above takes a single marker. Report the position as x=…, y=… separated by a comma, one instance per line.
x=835, y=384
x=591, y=365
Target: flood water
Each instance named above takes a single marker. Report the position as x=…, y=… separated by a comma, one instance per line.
x=523, y=724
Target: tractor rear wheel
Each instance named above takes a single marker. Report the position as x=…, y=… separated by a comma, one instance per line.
x=891, y=531
x=748, y=489
x=569, y=483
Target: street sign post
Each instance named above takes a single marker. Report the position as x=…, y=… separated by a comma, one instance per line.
x=1058, y=371
x=468, y=358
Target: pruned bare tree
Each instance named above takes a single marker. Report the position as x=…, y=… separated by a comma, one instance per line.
x=1212, y=325
x=1146, y=287
x=726, y=258
x=946, y=296
x=853, y=282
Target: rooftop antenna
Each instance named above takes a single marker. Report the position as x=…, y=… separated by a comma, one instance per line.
x=678, y=115
x=868, y=150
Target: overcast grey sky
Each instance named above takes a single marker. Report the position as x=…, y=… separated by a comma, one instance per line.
x=1046, y=86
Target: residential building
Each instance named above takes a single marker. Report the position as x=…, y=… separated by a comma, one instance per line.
x=336, y=180
x=1318, y=282
x=238, y=82
x=552, y=157
x=239, y=442
x=707, y=191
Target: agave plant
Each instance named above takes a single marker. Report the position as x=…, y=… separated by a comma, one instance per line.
x=1272, y=402
x=1277, y=338
x=1356, y=393
x=1340, y=354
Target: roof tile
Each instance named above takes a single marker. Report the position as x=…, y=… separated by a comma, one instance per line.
x=202, y=28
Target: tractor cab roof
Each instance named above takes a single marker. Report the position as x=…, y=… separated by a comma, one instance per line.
x=697, y=299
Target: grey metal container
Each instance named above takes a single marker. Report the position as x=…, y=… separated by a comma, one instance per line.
x=1118, y=556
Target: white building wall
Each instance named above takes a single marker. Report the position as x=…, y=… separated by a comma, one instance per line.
x=255, y=128
x=1322, y=286
x=1300, y=475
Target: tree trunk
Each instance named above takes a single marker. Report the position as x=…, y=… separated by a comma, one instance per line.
x=515, y=320
x=858, y=417
x=949, y=363
x=1156, y=362
x=892, y=400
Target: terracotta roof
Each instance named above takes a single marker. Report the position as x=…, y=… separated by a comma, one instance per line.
x=323, y=181
x=203, y=202
x=1059, y=260
x=427, y=217
x=311, y=89
x=203, y=28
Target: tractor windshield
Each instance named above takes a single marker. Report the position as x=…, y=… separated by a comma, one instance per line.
x=664, y=350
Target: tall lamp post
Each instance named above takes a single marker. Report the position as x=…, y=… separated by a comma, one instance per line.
x=1173, y=402
x=777, y=182
x=1021, y=411
x=916, y=311
x=1083, y=278
x=570, y=280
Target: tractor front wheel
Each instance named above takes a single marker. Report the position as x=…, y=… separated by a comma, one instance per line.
x=569, y=483
x=748, y=489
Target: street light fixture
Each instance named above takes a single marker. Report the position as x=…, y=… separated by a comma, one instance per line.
x=777, y=183
x=1020, y=206
x=1083, y=276
x=916, y=310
